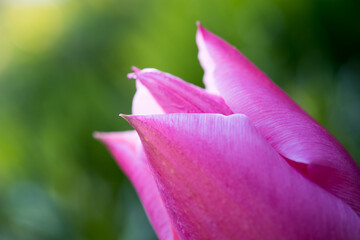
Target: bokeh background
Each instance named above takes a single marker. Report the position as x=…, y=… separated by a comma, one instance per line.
x=63, y=66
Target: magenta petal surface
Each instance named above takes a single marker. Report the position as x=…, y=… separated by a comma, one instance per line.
x=127, y=150
x=292, y=132
x=175, y=95
x=220, y=179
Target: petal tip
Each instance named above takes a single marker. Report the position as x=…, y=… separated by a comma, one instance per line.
x=135, y=69
x=97, y=135
x=201, y=31
x=103, y=137
x=128, y=118
x=124, y=116
x=134, y=74
x=131, y=76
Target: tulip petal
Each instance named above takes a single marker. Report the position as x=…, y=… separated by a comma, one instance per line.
x=174, y=95
x=292, y=132
x=127, y=150
x=143, y=102
x=220, y=179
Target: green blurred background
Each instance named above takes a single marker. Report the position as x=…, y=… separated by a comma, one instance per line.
x=63, y=67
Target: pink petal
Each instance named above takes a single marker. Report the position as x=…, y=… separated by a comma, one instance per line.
x=143, y=102
x=220, y=179
x=127, y=150
x=292, y=132
x=175, y=95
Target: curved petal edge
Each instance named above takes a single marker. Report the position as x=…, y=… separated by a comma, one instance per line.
x=127, y=151
x=220, y=179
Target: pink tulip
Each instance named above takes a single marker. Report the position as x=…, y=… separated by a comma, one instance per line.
x=237, y=160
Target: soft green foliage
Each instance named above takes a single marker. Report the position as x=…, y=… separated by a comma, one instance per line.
x=63, y=67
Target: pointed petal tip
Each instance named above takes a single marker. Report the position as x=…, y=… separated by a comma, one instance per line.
x=202, y=31
x=129, y=118
x=134, y=74
x=131, y=76
x=135, y=69
x=200, y=27
x=124, y=116
x=104, y=136
x=97, y=135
